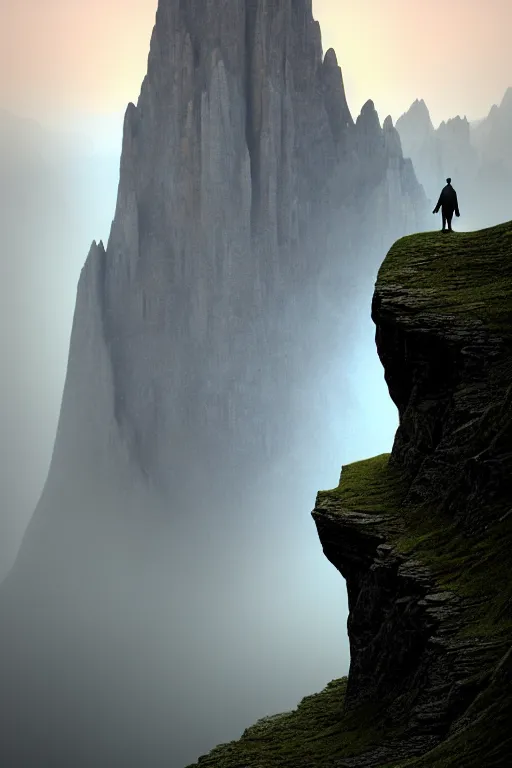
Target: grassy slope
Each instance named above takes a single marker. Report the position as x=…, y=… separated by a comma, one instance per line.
x=312, y=735
x=462, y=270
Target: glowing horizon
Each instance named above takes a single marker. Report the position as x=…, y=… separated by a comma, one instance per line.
x=90, y=57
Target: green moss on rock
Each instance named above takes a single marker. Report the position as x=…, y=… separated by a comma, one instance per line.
x=314, y=735
x=370, y=485
x=484, y=740
x=466, y=274
x=476, y=567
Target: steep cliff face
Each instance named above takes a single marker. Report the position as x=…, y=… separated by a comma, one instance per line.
x=446, y=355
x=245, y=198
x=239, y=162
x=422, y=535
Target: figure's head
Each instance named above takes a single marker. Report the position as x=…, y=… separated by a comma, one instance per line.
x=449, y=181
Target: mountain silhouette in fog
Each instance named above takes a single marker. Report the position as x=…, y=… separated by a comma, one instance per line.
x=251, y=210
x=477, y=156
x=159, y=579
x=53, y=191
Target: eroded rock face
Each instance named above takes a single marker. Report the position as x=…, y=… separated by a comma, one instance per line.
x=427, y=569
x=448, y=373
x=404, y=662
x=422, y=536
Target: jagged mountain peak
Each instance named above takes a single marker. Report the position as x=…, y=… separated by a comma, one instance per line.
x=250, y=210
x=368, y=107
x=456, y=133
x=455, y=122
x=368, y=119
x=335, y=100
x=330, y=58
x=235, y=167
x=477, y=155
x=387, y=125
x=416, y=117
x=392, y=138
x=232, y=160
x=419, y=106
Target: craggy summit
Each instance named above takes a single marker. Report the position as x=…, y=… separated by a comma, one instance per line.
x=250, y=202
x=423, y=535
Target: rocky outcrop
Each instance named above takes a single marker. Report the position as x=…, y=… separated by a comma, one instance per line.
x=450, y=381
x=413, y=533
x=477, y=158
x=423, y=535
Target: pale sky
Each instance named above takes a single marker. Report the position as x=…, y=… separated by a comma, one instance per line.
x=89, y=56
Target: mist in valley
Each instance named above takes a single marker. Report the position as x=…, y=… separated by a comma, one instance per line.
x=177, y=592
x=226, y=604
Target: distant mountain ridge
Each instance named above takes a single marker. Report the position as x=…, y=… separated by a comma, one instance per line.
x=477, y=156
x=54, y=195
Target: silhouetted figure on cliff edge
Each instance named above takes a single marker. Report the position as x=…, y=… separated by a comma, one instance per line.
x=448, y=204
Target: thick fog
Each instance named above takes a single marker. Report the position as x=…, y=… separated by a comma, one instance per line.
x=250, y=576
x=147, y=619
x=57, y=192
x=205, y=610
x=476, y=156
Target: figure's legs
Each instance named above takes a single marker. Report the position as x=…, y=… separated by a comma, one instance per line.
x=443, y=214
x=449, y=217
